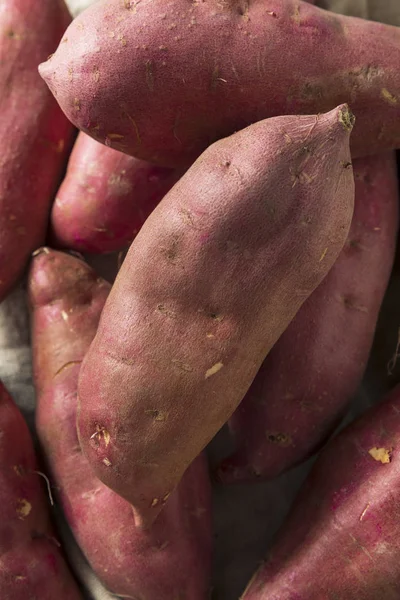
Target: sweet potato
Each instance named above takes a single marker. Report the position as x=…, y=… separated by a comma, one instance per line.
x=342, y=538
x=34, y=133
x=32, y=565
x=209, y=284
x=105, y=198
x=222, y=66
x=172, y=560
x=305, y=384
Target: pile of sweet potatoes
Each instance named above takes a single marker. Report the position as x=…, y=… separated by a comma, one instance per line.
x=242, y=156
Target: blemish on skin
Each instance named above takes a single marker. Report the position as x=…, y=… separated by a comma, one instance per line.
x=70, y=73
x=77, y=104
x=149, y=75
x=182, y=366
x=348, y=302
x=210, y=335
x=215, y=77
x=156, y=415
x=67, y=365
x=12, y=218
x=19, y=578
x=388, y=97
x=80, y=26
x=364, y=512
x=381, y=455
x=96, y=74
x=323, y=255
x=115, y=136
x=154, y=502
x=280, y=439
x=60, y=146
x=121, y=39
x=165, y=311
x=107, y=462
x=13, y=35
x=18, y=470
x=213, y=370
x=296, y=15
x=346, y=118
x=135, y=127
x=271, y=13
x=64, y=315
x=23, y=508
x=346, y=165
x=101, y=433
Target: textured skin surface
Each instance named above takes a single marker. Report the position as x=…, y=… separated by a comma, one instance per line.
x=211, y=281
x=314, y=370
x=32, y=566
x=105, y=198
x=173, y=560
x=34, y=133
x=342, y=538
x=222, y=66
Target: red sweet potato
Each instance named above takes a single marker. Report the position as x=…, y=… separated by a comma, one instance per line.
x=342, y=538
x=32, y=565
x=305, y=384
x=211, y=281
x=222, y=65
x=105, y=198
x=34, y=133
x=172, y=560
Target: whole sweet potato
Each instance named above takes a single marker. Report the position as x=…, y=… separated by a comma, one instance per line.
x=172, y=560
x=342, y=538
x=32, y=565
x=34, y=133
x=308, y=379
x=213, y=278
x=105, y=198
x=222, y=65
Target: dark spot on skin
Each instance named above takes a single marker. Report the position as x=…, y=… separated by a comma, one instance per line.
x=172, y=252
x=279, y=438
x=347, y=165
x=215, y=316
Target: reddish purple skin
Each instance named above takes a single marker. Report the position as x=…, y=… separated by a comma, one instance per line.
x=32, y=565
x=342, y=538
x=179, y=342
x=305, y=384
x=222, y=66
x=34, y=134
x=105, y=198
x=173, y=559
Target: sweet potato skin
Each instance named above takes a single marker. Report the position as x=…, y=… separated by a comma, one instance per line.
x=34, y=133
x=342, y=538
x=308, y=379
x=32, y=565
x=179, y=343
x=119, y=59
x=105, y=198
x=171, y=561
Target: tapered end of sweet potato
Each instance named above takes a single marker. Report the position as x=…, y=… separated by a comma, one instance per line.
x=55, y=275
